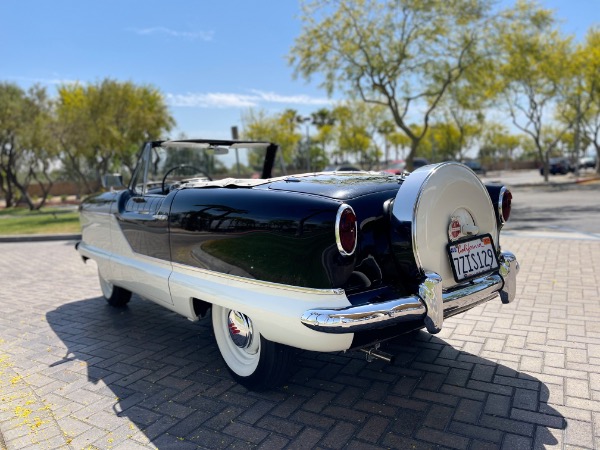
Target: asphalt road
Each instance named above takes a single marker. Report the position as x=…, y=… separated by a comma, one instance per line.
x=566, y=204
x=562, y=208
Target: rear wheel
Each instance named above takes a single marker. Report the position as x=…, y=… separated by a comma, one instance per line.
x=114, y=295
x=252, y=360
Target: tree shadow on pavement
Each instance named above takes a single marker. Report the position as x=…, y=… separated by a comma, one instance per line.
x=155, y=378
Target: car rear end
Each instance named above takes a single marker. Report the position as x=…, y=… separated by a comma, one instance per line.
x=444, y=240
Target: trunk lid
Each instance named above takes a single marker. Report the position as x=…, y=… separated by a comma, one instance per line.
x=340, y=186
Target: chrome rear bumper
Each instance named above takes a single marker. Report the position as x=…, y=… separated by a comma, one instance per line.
x=428, y=308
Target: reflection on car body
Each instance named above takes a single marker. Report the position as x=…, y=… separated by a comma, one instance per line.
x=328, y=261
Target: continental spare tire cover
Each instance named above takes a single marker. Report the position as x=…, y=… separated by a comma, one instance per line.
x=431, y=202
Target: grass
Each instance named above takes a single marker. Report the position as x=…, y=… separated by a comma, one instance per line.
x=15, y=221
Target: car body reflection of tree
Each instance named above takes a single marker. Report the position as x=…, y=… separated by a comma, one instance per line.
x=167, y=378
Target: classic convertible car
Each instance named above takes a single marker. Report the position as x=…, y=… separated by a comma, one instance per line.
x=327, y=261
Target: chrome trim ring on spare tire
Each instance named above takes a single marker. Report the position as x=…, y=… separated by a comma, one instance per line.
x=437, y=203
x=426, y=204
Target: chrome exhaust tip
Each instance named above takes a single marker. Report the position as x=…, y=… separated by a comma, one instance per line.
x=374, y=353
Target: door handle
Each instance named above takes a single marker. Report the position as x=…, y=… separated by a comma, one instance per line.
x=160, y=216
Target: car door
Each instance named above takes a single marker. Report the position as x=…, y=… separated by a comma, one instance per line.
x=141, y=256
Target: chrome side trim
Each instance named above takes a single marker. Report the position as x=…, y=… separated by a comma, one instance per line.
x=266, y=284
x=428, y=308
x=92, y=252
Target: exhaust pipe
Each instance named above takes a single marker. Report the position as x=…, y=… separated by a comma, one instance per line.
x=374, y=353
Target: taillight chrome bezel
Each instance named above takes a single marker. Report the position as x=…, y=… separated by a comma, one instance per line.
x=501, y=202
x=338, y=239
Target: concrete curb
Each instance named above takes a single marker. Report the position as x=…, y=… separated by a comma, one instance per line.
x=586, y=180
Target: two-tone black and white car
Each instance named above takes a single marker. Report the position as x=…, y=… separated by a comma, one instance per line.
x=327, y=261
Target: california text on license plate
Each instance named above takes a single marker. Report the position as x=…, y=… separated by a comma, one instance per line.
x=472, y=257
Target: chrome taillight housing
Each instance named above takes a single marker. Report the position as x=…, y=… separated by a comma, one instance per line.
x=345, y=230
x=504, y=204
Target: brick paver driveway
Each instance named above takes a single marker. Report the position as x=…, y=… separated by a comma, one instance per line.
x=75, y=373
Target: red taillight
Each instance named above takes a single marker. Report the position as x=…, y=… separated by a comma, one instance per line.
x=345, y=230
x=504, y=203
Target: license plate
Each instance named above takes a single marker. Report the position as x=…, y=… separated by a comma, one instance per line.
x=472, y=257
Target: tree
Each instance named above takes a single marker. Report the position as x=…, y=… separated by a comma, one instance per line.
x=401, y=54
x=537, y=67
x=26, y=151
x=103, y=124
x=385, y=129
x=583, y=107
x=399, y=141
x=461, y=111
x=324, y=121
x=280, y=128
x=499, y=144
x=357, y=126
x=445, y=142
x=352, y=137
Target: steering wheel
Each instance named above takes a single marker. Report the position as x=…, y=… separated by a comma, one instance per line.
x=183, y=166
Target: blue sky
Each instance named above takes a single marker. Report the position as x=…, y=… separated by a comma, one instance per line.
x=212, y=60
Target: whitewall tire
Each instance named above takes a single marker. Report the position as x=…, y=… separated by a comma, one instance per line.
x=114, y=295
x=252, y=360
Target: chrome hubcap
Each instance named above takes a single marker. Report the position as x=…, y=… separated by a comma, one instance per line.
x=240, y=329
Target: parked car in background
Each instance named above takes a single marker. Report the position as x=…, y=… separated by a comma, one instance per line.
x=560, y=166
x=345, y=167
x=328, y=261
x=396, y=167
x=419, y=162
x=587, y=162
x=475, y=166
x=399, y=166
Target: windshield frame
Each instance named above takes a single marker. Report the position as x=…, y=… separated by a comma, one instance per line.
x=140, y=175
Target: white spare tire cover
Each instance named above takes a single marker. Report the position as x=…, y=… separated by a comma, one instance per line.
x=429, y=198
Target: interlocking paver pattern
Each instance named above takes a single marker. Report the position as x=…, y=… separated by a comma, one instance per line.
x=76, y=373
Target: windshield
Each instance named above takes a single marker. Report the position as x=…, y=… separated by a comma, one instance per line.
x=177, y=161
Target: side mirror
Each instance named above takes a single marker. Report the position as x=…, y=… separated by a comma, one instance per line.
x=112, y=181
